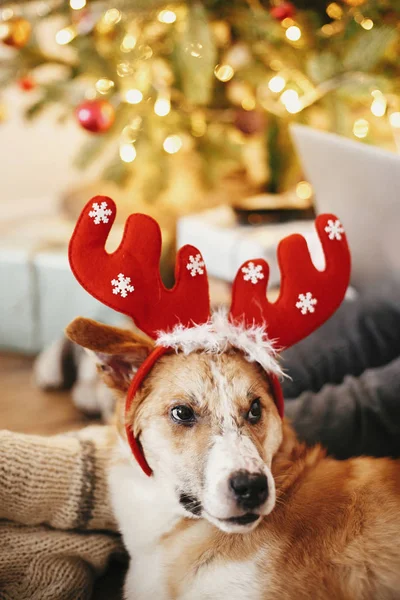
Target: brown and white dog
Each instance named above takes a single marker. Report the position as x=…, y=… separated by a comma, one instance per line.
x=236, y=508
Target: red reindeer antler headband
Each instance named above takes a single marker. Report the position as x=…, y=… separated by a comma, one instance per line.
x=128, y=280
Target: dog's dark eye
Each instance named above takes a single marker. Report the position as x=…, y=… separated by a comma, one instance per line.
x=254, y=414
x=183, y=414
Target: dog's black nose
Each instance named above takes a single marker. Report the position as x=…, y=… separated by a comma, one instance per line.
x=250, y=489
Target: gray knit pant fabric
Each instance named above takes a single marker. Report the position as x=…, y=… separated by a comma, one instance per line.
x=344, y=389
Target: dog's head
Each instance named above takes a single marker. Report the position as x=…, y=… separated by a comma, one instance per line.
x=207, y=423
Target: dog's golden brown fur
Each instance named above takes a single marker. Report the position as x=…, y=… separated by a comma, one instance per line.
x=333, y=530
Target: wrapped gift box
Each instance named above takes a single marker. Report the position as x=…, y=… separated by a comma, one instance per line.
x=225, y=244
x=39, y=295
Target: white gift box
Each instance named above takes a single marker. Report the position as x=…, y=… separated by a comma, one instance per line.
x=17, y=323
x=225, y=244
x=39, y=295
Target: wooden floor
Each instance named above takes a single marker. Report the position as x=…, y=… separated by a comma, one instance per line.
x=25, y=408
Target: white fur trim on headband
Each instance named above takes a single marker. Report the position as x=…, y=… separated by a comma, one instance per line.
x=218, y=335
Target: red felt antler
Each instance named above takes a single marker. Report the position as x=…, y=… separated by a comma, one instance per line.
x=128, y=280
x=307, y=298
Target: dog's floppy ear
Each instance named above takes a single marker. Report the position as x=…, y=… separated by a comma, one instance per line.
x=119, y=352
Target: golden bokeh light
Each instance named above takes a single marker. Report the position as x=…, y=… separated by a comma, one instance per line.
x=293, y=33
x=112, y=16
x=394, y=119
x=128, y=43
x=224, y=72
x=291, y=101
x=277, y=83
x=172, y=144
x=104, y=85
x=361, y=128
x=162, y=106
x=304, y=190
x=248, y=103
x=66, y=35
x=166, y=16
x=77, y=4
x=367, y=24
x=334, y=10
x=127, y=152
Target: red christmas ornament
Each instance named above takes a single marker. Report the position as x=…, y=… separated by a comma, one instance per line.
x=250, y=121
x=96, y=116
x=285, y=10
x=26, y=83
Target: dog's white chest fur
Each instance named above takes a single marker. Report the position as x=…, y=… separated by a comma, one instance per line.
x=229, y=581
x=144, y=518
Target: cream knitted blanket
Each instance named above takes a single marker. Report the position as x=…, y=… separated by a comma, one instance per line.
x=57, y=531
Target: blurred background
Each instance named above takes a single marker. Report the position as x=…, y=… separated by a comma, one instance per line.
x=232, y=123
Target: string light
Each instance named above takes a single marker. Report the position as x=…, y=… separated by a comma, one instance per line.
x=304, y=190
x=367, y=24
x=248, y=103
x=194, y=50
x=198, y=124
x=104, y=85
x=127, y=152
x=162, y=106
x=275, y=64
x=128, y=43
x=133, y=96
x=43, y=9
x=293, y=33
x=65, y=36
x=4, y=30
x=7, y=13
x=288, y=22
x=328, y=29
x=77, y=4
x=291, y=101
x=145, y=52
x=130, y=132
x=172, y=144
x=394, y=119
x=224, y=72
x=334, y=11
x=378, y=106
x=124, y=69
x=112, y=16
x=90, y=93
x=361, y=128
x=167, y=16
x=277, y=83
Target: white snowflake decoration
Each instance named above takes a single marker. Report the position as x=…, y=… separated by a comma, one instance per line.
x=334, y=229
x=122, y=285
x=252, y=272
x=195, y=265
x=306, y=303
x=100, y=213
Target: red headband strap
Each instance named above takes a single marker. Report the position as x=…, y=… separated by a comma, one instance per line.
x=137, y=381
